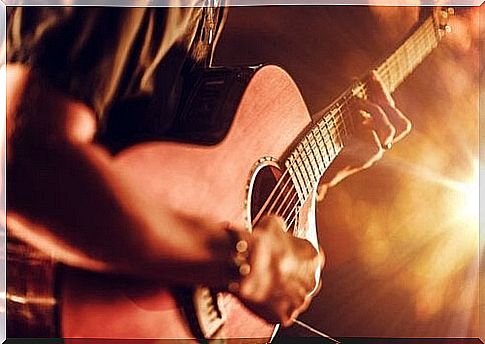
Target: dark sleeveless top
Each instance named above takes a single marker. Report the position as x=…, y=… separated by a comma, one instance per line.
x=106, y=55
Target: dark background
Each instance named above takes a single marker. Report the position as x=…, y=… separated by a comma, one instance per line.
x=401, y=239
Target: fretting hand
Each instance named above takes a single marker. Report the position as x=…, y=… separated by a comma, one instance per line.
x=382, y=125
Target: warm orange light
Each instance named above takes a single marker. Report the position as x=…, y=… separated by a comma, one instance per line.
x=472, y=194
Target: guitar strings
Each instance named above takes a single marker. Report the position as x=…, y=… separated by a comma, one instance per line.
x=285, y=176
x=302, y=159
x=385, y=71
x=419, y=37
x=421, y=42
x=314, y=330
x=325, y=136
x=291, y=191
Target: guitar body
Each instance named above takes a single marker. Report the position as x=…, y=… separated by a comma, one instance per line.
x=220, y=182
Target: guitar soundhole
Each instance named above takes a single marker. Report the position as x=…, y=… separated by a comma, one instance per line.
x=280, y=202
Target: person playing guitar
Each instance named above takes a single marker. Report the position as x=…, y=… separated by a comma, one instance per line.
x=71, y=68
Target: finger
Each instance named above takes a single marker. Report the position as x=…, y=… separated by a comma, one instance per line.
x=301, y=309
x=272, y=222
x=318, y=273
x=377, y=92
x=297, y=309
x=306, y=303
x=378, y=121
x=321, y=257
x=287, y=314
x=322, y=191
x=362, y=152
x=401, y=123
x=289, y=320
x=318, y=288
x=373, y=150
x=366, y=149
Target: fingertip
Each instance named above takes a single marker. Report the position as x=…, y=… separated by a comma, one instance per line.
x=273, y=222
x=288, y=322
x=377, y=154
x=408, y=125
x=378, y=90
x=321, y=255
x=374, y=75
x=386, y=132
x=403, y=125
x=263, y=221
x=280, y=221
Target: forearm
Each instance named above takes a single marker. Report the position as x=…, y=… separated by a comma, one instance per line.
x=66, y=196
x=90, y=216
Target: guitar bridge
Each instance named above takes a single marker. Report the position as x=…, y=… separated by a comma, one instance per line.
x=209, y=311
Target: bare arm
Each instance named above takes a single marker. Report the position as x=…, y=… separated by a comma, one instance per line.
x=66, y=197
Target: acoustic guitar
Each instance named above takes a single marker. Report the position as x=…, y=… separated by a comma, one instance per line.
x=254, y=150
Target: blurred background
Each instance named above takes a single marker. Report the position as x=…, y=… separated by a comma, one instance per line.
x=401, y=239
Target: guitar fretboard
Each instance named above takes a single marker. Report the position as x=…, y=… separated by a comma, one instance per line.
x=320, y=144
x=395, y=69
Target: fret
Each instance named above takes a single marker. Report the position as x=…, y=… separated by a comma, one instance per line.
x=385, y=75
x=338, y=136
x=306, y=186
x=426, y=44
x=399, y=65
x=433, y=40
x=407, y=60
x=346, y=106
x=294, y=171
x=383, y=71
x=422, y=44
x=319, y=150
x=325, y=136
x=298, y=170
x=306, y=164
x=334, y=129
x=312, y=151
x=392, y=72
x=415, y=53
x=331, y=138
x=341, y=118
x=323, y=142
x=313, y=161
x=324, y=139
x=403, y=63
x=295, y=180
x=307, y=172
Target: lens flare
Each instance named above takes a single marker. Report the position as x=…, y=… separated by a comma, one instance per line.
x=472, y=194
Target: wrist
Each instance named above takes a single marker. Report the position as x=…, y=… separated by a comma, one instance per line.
x=239, y=260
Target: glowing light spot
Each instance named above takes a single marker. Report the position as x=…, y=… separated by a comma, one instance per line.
x=472, y=194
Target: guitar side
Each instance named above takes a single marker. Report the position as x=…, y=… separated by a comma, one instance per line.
x=197, y=181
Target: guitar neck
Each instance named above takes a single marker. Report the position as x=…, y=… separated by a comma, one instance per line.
x=320, y=144
x=396, y=68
